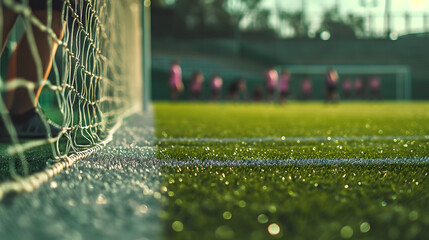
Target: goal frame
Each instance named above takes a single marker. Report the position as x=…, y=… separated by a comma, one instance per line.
x=402, y=74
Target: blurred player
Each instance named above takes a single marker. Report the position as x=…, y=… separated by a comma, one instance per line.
x=347, y=88
x=236, y=89
x=306, y=88
x=20, y=104
x=216, y=87
x=359, y=89
x=257, y=94
x=197, y=85
x=271, y=79
x=284, y=85
x=175, y=81
x=374, y=84
x=331, y=80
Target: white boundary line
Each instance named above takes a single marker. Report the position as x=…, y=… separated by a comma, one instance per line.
x=293, y=139
x=293, y=162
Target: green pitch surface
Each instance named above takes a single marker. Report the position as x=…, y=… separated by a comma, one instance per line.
x=296, y=171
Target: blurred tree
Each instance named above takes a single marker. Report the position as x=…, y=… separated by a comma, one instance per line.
x=357, y=23
x=238, y=9
x=199, y=18
x=342, y=28
x=190, y=18
x=259, y=25
x=297, y=21
x=260, y=20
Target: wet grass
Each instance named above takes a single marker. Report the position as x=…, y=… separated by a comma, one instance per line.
x=292, y=120
x=345, y=201
x=357, y=149
x=306, y=202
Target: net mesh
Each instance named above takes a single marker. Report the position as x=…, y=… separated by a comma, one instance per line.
x=94, y=83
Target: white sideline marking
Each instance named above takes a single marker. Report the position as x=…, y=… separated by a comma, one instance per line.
x=293, y=139
x=262, y=162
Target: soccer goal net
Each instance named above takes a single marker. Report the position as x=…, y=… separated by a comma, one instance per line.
x=355, y=81
x=90, y=83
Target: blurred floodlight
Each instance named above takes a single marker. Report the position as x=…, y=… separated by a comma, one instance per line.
x=393, y=36
x=325, y=35
x=311, y=34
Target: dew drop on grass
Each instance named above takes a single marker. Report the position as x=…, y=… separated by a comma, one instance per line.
x=365, y=227
x=273, y=229
x=177, y=226
x=272, y=209
x=227, y=215
x=142, y=209
x=101, y=199
x=53, y=185
x=262, y=218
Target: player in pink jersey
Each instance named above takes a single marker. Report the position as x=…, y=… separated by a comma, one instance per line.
x=196, y=85
x=271, y=79
x=175, y=81
x=216, y=87
x=284, y=85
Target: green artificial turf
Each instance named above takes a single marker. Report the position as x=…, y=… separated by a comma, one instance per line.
x=292, y=120
x=240, y=150
x=306, y=202
x=345, y=201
